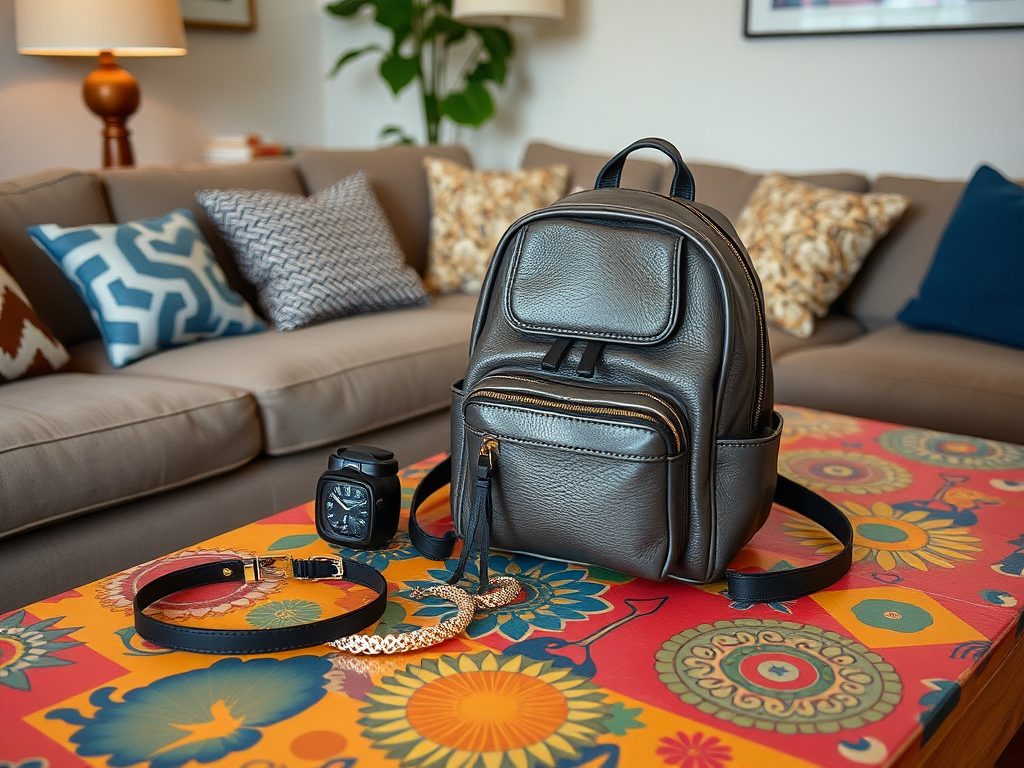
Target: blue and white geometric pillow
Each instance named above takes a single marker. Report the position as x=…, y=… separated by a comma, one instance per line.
x=149, y=284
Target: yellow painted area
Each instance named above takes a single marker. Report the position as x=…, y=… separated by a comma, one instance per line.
x=945, y=627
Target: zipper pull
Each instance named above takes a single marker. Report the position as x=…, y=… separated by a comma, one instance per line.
x=557, y=353
x=487, y=458
x=588, y=360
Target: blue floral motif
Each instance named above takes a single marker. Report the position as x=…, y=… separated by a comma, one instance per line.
x=399, y=548
x=553, y=593
x=202, y=715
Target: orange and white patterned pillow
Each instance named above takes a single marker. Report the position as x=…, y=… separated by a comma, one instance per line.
x=808, y=243
x=470, y=211
x=27, y=347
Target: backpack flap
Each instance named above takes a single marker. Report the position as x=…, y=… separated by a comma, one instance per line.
x=587, y=279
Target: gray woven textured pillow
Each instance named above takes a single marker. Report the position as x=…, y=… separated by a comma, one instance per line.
x=315, y=258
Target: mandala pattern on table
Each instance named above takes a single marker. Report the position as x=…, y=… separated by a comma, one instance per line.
x=399, y=548
x=484, y=710
x=553, y=593
x=30, y=646
x=778, y=676
x=844, y=472
x=803, y=422
x=942, y=449
x=118, y=591
x=283, y=613
x=202, y=715
x=694, y=751
x=892, y=539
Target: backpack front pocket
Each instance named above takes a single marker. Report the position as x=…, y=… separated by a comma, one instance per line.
x=586, y=475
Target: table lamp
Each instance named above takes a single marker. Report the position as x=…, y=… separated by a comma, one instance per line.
x=103, y=28
x=483, y=10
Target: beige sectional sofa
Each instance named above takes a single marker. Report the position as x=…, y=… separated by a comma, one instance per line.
x=103, y=468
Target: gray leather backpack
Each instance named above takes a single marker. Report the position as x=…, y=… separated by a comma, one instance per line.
x=618, y=406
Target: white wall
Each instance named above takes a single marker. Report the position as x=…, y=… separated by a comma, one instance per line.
x=616, y=70
x=269, y=81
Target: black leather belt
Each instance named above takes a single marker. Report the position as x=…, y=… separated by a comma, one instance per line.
x=245, y=641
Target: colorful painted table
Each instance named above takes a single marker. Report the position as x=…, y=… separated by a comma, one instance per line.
x=589, y=667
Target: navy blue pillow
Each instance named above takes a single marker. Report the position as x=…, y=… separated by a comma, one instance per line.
x=975, y=286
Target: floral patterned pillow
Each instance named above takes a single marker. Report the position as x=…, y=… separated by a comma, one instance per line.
x=470, y=211
x=27, y=347
x=807, y=244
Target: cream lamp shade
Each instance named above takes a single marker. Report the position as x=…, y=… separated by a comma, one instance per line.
x=87, y=27
x=107, y=29
x=468, y=10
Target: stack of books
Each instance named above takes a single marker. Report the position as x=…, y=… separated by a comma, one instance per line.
x=240, y=149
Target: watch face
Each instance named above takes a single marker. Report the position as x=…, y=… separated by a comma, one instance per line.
x=347, y=510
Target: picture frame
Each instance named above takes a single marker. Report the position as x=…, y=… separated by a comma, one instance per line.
x=219, y=14
x=775, y=18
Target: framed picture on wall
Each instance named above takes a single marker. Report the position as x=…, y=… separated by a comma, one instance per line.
x=769, y=18
x=219, y=14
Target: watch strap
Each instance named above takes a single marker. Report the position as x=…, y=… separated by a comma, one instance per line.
x=247, y=641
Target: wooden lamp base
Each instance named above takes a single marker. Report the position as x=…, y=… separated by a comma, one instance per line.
x=113, y=94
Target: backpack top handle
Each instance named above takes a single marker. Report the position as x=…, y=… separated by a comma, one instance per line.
x=682, y=183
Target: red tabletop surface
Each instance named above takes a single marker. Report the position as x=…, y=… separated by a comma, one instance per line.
x=587, y=667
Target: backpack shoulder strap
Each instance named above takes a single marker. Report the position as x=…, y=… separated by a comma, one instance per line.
x=761, y=587
x=775, y=586
x=432, y=547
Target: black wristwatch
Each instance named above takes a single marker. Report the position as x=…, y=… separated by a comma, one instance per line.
x=359, y=497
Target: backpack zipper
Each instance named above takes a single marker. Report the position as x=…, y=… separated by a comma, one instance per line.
x=757, y=302
x=669, y=406
x=598, y=410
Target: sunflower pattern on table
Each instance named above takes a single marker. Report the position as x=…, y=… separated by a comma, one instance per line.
x=30, y=646
x=553, y=594
x=892, y=539
x=484, y=709
x=843, y=472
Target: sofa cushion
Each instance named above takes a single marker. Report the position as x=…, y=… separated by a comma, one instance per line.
x=727, y=189
x=398, y=180
x=976, y=283
x=75, y=442
x=151, y=191
x=65, y=197
x=584, y=167
x=834, y=328
x=27, y=346
x=808, y=242
x=329, y=381
x=312, y=259
x=893, y=271
x=471, y=211
x=920, y=378
x=150, y=284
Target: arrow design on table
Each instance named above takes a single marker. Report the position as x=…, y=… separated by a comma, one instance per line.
x=575, y=654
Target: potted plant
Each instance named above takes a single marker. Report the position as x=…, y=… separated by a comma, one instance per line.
x=453, y=65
